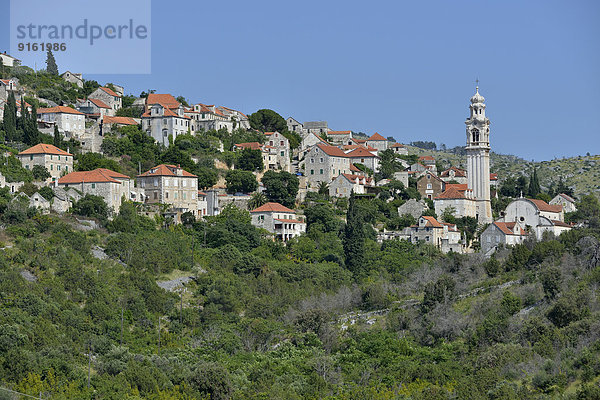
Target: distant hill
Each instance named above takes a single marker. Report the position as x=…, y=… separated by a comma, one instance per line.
x=582, y=173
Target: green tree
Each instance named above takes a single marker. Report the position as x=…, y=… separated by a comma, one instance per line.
x=91, y=161
x=91, y=206
x=51, y=66
x=46, y=192
x=240, y=181
x=354, y=238
x=249, y=160
x=10, y=117
x=534, y=184
x=266, y=120
x=257, y=200
x=588, y=209
x=57, y=138
x=207, y=177
x=281, y=187
x=40, y=173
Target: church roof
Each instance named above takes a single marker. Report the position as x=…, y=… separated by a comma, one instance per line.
x=543, y=206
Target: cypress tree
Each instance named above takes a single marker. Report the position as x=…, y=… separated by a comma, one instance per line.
x=30, y=131
x=534, y=184
x=51, y=66
x=10, y=117
x=354, y=238
x=57, y=137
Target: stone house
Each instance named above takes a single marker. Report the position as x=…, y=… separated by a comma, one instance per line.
x=566, y=201
x=6, y=87
x=108, y=123
x=112, y=99
x=454, y=174
x=430, y=186
x=317, y=127
x=112, y=186
x=493, y=180
x=323, y=163
x=340, y=138
x=238, y=119
x=282, y=148
x=208, y=117
x=413, y=207
x=344, y=184
x=445, y=237
x=163, y=123
x=9, y=60
x=501, y=233
x=463, y=203
x=95, y=108
x=57, y=161
x=399, y=149
x=170, y=184
x=270, y=157
x=281, y=221
x=311, y=139
x=365, y=157
x=402, y=176
x=536, y=215
x=295, y=126
x=378, y=142
x=429, y=163
x=77, y=79
x=69, y=121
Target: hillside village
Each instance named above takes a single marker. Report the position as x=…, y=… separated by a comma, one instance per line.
x=156, y=248
x=309, y=158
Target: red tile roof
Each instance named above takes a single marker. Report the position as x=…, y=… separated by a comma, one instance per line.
x=249, y=145
x=168, y=112
x=426, y=158
x=493, y=177
x=354, y=168
x=360, y=152
x=119, y=120
x=167, y=170
x=543, y=206
x=377, y=137
x=273, y=207
x=352, y=178
x=109, y=91
x=43, y=148
x=99, y=103
x=560, y=223
x=457, y=172
x=451, y=193
x=331, y=150
x=461, y=187
x=58, y=110
x=507, y=228
x=432, y=222
x=166, y=100
x=397, y=145
x=97, y=175
x=567, y=197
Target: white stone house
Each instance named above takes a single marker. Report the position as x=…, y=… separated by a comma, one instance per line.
x=95, y=108
x=77, y=79
x=295, y=126
x=69, y=121
x=108, y=96
x=501, y=233
x=9, y=60
x=365, y=157
x=344, y=184
x=463, y=203
x=378, y=142
x=208, y=117
x=311, y=139
x=161, y=122
x=281, y=221
x=6, y=87
x=564, y=200
x=399, y=149
x=170, y=184
x=112, y=186
x=454, y=174
x=282, y=148
x=537, y=215
x=238, y=119
x=340, y=138
x=57, y=161
x=323, y=163
x=445, y=237
x=317, y=127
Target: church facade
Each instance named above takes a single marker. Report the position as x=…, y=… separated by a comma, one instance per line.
x=478, y=157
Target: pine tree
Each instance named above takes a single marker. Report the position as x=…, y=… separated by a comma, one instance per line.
x=51, y=66
x=534, y=184
x=354, y=238
x=57, y=137
x=10, y=117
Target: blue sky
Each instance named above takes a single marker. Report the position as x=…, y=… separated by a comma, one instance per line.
x=401, y=68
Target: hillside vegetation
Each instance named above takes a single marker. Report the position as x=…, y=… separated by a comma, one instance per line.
x=332, y=315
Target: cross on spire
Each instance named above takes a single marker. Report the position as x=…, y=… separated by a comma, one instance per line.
x=477, y=84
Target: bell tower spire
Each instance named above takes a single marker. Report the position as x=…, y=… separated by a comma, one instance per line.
x=478, y=156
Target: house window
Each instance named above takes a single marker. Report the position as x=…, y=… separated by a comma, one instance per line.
x=93, y=186
x=321, y=159
x=312, y=160
x=184, y=183
x=164, y=121
x=166, y=195
x=183, y=196
x=155, y=195
x=281, y=143
x=58, y=167
x=51, y=167
x=312, y=171
x=31, y=157
x=155, y=182
x=429, y=186
x=283, y=154
x=175, y=196
x=321, y=171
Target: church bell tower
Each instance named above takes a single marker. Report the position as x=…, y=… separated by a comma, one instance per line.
x=478, y=157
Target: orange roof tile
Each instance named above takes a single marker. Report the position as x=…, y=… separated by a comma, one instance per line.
x=457, y=172
x=109, y=91
x=461, y=187
x=493, y=177
x=567, y=197
x=426, y=158
x=432, y=221
x=166, y=100
x=331, y=150
x=354, y=168
x=360, y=152
x=451, y=193
x=96, y=175
x=99, y=103
x=249, y=145
x=377, y=137
x=397, y=145
x=43, y=148
x=58, y=110
x=119, y=120
x=507, y=228
x=168, y=112
x=273, y=207
x=167, y=170
x=543, y=206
